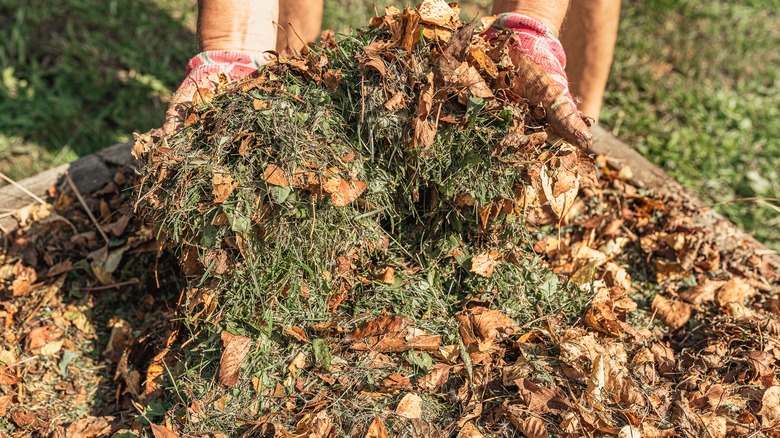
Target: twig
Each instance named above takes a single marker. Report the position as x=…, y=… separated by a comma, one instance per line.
x=110, y=286
x=22, y=188
x=84, y=204
x=52, y=290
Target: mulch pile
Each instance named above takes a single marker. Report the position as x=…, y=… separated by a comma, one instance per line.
x=380, y=238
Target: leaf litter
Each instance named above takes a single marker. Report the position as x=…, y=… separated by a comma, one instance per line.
x=380, y=242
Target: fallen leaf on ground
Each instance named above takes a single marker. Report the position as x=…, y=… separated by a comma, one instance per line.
x=735, y=290
x=470, y=431
x=483, y=264
x=674, y=314
x=162, y=432
x=410, y=406
x=234, y=349
x=770, y=407
x=533, y=427
x=222, y=187
x=376, y=429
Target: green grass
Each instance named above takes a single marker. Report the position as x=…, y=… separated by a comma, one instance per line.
x=694, y=86
x=80, y=75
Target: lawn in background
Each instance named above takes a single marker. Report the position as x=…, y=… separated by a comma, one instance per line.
x=694, y=86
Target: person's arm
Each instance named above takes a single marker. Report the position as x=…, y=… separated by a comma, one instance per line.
x=233, y=36
x=541, y=62
x=549, y=12
x=242, y=25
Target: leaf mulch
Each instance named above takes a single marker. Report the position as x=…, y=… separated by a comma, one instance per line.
x=374, y=245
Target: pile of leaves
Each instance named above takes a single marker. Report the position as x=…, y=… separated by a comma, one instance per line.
x=348, y=274
x=384, y=175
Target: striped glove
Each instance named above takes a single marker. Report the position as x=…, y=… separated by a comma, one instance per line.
x=203, y=73
x=541, y=63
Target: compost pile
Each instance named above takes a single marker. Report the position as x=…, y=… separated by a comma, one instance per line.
x=356, y=211
x=379, y=239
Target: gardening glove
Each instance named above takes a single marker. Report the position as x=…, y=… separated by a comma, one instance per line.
x=541, y=78
x=203, y=72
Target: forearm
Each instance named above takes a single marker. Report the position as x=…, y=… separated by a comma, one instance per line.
x=549, y=12
x=245, y=25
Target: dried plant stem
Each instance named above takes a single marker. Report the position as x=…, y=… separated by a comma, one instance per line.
x=84, y=204
x=22, y=188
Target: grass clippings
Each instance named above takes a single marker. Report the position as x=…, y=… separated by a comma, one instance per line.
x=619, y=317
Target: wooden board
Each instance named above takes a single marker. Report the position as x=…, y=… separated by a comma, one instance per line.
x=89, y=173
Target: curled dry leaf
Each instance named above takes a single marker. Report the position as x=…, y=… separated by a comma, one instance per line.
x=770, y=407
x=489, y=324
x=410, y=406
x=674, y=314
x=234, y=349
x=379, y=326
x=702, y=293
x=559, y=189
x=483, y=264
x=736, y=290
x=715, y=425
x=436, y=378
x=534, y=427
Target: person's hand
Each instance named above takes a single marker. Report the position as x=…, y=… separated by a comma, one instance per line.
x=541, y=78
x=203, y=73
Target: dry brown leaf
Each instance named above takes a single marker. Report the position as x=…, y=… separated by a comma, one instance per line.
x=770, y=407
x=88, y=427
x=388, y=276
x=439, y=13
x=715, y=425
x=542, y=400
x=601, y=316
x=297, y=333
x=396, y=382
x=274, y=175
x=674, y=314
x=470, y=431
x=345, y=192
x=52, y=348
x=736, y=290
x=483, y=264
x=5, y=401
x=234, y=349
x=222, y=187
x=379, y=326
x=533, y=427
x=650, y=431
x=395, y=102
x=702, y=293
x=162, y=432
x=489, y=324
x=560, y=190
x=630, y=432
x=664, y=358
x=376, y=429
x=483, y=61
x=410, y=406
x=436, y=378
